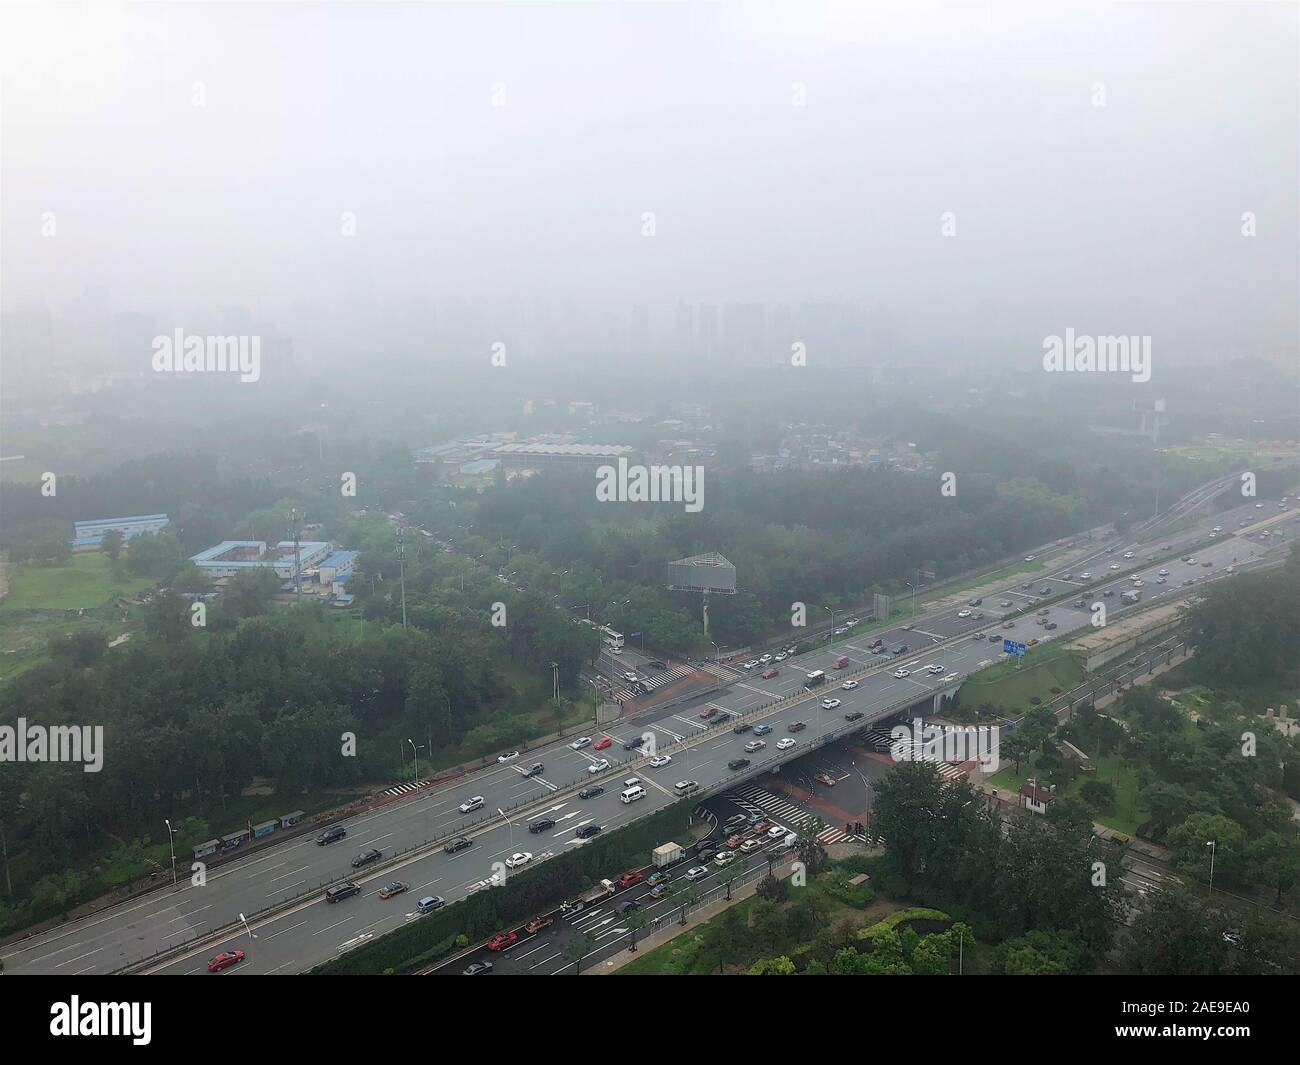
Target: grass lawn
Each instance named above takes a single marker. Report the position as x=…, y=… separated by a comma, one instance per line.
x=1009, y=689
x=85, y=583
x=1123, y=815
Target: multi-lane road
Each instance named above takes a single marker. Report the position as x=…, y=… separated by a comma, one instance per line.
x=311, y=931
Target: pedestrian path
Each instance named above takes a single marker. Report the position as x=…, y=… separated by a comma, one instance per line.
x=653, y=681
x=756, y=800
x=405, y=789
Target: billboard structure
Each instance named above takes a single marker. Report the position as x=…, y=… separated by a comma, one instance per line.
x=708, y=574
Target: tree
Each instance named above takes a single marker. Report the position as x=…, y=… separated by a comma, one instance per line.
x=577, y=949
x=111, y=544
x=636, y=921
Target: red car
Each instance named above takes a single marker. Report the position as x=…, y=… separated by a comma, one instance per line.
x=630, y=878
x=502, y=940
x=708, y=712
x=768, y=674
x=225, y=960
x=601, y=743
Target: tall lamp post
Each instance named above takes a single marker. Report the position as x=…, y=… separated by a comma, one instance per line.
x=1212, y=845
x=171, y=843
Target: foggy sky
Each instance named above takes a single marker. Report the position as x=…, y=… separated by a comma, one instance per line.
x=1121, y=218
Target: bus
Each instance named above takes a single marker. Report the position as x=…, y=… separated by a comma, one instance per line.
x=815, y=678
x=612, y=639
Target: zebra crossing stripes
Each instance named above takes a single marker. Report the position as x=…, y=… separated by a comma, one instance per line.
x=755, y=800
x=406, y=789
x=667, y=676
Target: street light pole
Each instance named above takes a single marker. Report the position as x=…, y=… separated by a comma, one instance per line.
x=171, y=843
x=1212, y=845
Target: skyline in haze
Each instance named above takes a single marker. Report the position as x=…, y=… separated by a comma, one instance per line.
x=1092, y=163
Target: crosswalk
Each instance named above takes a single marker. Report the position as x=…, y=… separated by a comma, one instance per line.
x=405, y=789
x=655, y=680
x=879, y=739
x=756, y=800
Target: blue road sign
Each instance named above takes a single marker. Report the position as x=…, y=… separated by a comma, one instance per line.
x=634, y=634
x=1010, y=647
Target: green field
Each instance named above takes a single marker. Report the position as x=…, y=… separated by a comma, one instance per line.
x=1123, y=815
x=85, y=583
x=1009, y=690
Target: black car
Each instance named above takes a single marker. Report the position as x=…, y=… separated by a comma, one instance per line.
x=855, y=716
x=705, y=854
x=632, y=745
x=901, y=649
x=629, y=906
x=458, y=844
x=654, y=663
x=331, y=835
x=587, y=831
x=796, y=726
x=742, y=727
x=366, y=857
x=738, y=763
x=534, y=769
x=541, y=825
x=591, y=792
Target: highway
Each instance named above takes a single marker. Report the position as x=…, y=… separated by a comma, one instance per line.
x=312, y=931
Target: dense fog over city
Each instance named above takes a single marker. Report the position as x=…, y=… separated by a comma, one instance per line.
x=649, y=488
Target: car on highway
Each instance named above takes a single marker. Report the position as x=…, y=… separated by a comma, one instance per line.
x=764, y=659
x=762, y=730
x=780, y=656
x=502, y=940
x=631, y=678
x=685, y=787
x=978, y=636
x=696, y=872
x=477, y=968
x=856, y=715
x=796, y=726
x=900, y=649
x=366, y=857
x=225, y=960
x=935, y=668
x=460, y=843
x=1128, y=554
x=1008, y=624
x=395, y=888
x=1086, y=575
x=659, y=877
x=587, y=831
x=628, y=879
x=751, y=845
x=660, y=760
x=634, y=743
x=541, y=825
x=744, y=726
x=1114, y=565
x=534, y=769
x=331, y=835
x=830, y=704
x=503, y=758
x=1030, y=558
x=849, y=685
x=963, y=613
x=723, y=858
x=1045, y=590
x=602, y=744
x=598, y=766
x=1207, y=565
x=825, y=778
x=768, y=674
x=538, y=923
x=1163, y=573
x=591, y=791
x=901, y=673
x=430, y=903
x=519, y=858
x=339, y=892
x=785, y=744
x=755, y=745
x=738, y=763
x=841, y=631
x=1050, y=626
x=581, y=742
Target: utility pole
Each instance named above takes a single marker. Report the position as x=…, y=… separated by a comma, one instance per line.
x=297, y=558
x=401, y=568
x=555, y=683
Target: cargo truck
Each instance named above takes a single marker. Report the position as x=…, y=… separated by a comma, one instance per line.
x=666, y=855
x=592, y=895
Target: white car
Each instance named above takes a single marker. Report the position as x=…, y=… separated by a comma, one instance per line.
x=901, y=673
x=849, y=685
x=935, y=668
x=503, y=758
x=598, y=766
x=963, y=613
x=631, y=678
x=1219, y=528
x=777, y=831
x=581, y=742
x=1191, y=561
x=517, y=859
x=765, y=659
x=1114, y=565
x=1259, y=506
x=696, y=872
x=1004, y=602
x=1128, y=554
x=1163, y=573
x=750, y=664
x=1162, y=580
x=1086, y=575
x=785, y=744
x=1030, y=558
x=780, y=657
x=470, y=805
x=830, y=704
x=660, y=760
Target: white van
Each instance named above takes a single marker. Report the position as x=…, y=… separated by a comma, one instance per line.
x=632, y=794
x=632, y=782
